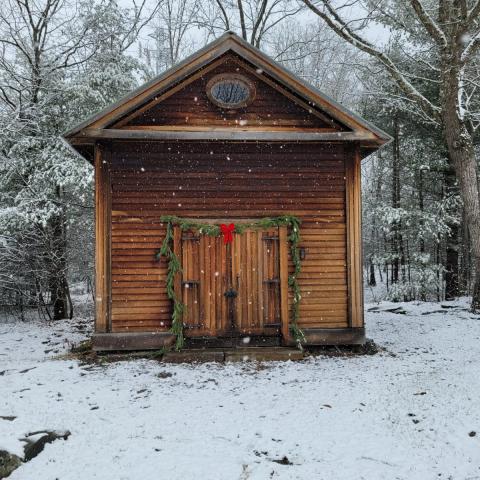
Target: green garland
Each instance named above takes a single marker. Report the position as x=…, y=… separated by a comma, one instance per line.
x=212, y=230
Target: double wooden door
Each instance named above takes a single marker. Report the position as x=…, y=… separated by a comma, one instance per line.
x=234, y=289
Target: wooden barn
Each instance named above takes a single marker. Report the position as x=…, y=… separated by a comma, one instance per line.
x=228, y=208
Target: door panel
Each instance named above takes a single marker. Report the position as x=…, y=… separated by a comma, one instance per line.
x=203, y=283
x=248, y=268
x=271, y=279
x=256, y=276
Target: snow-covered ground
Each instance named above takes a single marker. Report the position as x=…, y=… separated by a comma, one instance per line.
x=406, y=413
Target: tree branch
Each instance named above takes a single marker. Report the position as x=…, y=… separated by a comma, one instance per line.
x=224, y=14
x=474, y=12
x=339, y=26
x=470, y=49
x=242, y=19
x=429, y=23
x=258, y=21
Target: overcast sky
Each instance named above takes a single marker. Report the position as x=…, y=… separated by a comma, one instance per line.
x=374, y=32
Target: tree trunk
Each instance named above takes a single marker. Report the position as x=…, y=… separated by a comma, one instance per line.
x=461, y=151
x=396, y=237
x=476, y=289
x=451, y=253
x=464, y=276
x=380, y=273
x=437, y=261
x=59, y=290
x=402, y=263
x=371, y=279
x=460, y=147
x=451, y=264
x=421, y=207
x=59, y=297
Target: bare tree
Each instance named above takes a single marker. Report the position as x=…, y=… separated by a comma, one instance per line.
x=316, y=54
x=452, y=28
x=253, y=19
x=171, y=24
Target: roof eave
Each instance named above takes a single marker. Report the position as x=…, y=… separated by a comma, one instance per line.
x=230, y=41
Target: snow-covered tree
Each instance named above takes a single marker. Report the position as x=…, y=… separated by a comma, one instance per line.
x=443, y=37
x=59, y=61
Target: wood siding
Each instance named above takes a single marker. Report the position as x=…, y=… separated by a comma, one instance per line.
x=226, y=182
x=188, y=105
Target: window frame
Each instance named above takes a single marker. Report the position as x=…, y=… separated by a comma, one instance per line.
x=231, y=77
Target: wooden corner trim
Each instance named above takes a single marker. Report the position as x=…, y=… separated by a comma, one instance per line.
x=284, y=311
x=102, y=239
x=354, y=237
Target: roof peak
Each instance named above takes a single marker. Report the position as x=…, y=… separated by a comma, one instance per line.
x=230, y=41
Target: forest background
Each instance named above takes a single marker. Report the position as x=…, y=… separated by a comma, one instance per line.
x=410, y=67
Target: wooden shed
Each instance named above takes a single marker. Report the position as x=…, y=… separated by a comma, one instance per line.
x=248, y=180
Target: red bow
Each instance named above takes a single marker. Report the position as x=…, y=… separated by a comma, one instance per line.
x=227, y=232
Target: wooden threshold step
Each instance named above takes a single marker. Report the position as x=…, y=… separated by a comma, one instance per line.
x=246, y=354
x=262, y=354
x=191, y=355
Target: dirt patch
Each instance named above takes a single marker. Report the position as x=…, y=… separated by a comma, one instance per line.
x=368, y=348
x=84, y=347
x=84, y=354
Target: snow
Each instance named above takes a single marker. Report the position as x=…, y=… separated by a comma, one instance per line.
x=405, y=413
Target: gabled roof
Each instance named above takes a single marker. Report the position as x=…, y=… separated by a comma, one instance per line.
x=103, y=124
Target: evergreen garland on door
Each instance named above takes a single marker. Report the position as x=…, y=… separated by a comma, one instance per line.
x=212, y=230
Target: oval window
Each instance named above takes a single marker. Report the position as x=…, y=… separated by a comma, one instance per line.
x=230, y=91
